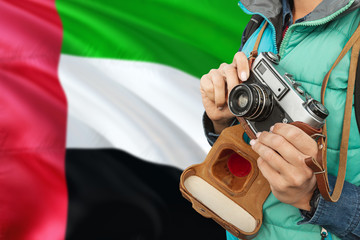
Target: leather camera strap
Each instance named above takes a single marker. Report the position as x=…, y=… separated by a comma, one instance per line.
x=254, y=52
x=320, y=166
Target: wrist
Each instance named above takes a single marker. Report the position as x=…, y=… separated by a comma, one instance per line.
x=221, y=125
x=313, y=204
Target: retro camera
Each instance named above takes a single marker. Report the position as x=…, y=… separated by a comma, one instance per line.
x=271, y=95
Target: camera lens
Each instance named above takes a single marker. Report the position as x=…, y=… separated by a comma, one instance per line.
x=251, y=101
x=243, y=100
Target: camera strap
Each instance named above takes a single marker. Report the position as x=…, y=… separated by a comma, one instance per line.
x=319, y=166
x=254, y=52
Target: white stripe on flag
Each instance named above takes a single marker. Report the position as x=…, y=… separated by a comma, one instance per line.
x=149, y=110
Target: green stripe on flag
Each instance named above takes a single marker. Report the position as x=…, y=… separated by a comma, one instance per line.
x=193, y=36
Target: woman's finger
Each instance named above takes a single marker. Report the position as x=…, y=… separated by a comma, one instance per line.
x=242, y=65
x=282, y=147
x=298, y=138
x=231, y=77
x=271, y=157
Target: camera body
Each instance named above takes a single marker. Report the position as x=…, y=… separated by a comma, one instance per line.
x=271, y=95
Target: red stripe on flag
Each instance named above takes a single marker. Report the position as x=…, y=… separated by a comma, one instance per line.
x=33, y=193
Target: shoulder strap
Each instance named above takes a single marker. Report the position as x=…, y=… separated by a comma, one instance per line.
x=319, y=166
x=357, y=95
x=254, y=52
x=250, y=28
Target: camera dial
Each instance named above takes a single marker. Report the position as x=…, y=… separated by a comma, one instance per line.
x=317, y=109
x=275, y=58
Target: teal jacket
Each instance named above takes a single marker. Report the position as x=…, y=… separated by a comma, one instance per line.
x=308, y=51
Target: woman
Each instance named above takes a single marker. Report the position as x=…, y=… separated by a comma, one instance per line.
x=308, y=35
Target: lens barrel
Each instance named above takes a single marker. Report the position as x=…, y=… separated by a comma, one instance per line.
x=251, y=101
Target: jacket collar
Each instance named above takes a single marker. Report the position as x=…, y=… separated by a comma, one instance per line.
x=272, y=9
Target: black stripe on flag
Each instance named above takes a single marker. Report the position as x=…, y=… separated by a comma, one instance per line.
x=114, y=195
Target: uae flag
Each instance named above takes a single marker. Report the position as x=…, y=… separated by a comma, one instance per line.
x=100, y=111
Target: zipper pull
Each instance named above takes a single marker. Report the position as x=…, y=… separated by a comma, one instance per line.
x=323, y=233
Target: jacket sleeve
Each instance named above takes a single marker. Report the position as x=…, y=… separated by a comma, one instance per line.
x=209, y=129
x=341, y=218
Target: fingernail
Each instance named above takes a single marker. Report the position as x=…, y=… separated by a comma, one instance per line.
x=243, y=76
x=271, y=128
x=258, y=134
x=252, y=142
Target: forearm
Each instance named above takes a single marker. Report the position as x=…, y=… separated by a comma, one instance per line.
x=341, y=218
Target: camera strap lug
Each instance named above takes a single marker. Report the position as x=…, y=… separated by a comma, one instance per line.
x=316, y=136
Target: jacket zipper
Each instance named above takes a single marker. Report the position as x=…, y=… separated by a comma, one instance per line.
x=323, y=234
x=312, y=24
x=270, y=24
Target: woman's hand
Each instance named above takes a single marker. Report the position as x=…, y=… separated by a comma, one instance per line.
x=282, y=154
x=217, y=84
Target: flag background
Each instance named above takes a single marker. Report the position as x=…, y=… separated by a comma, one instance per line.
x=100, y=111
